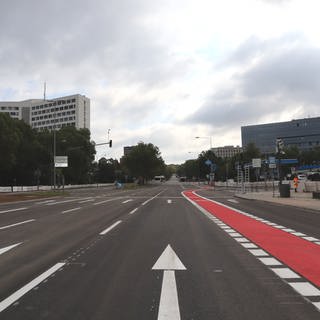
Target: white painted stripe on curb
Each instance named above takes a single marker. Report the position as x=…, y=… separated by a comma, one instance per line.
x=4, y=304
x=70, y=210
x=110, y=228
x=249, y=245
x=12, y=210
x=5, y=249
x=306, y=289
x=285, y=273
x=16, y=224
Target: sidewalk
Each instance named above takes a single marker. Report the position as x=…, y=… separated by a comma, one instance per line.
x=300, y=199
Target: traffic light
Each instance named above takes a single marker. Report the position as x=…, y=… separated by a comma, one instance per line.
x=110, y=143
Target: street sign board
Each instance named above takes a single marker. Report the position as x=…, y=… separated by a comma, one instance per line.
x=256, y=163
x=61, y=161
x=208, y=162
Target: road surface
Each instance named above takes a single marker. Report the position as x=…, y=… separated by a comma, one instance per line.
x=158, y=253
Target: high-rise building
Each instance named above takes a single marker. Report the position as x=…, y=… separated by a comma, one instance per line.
x=302, y=133
x=51, y=114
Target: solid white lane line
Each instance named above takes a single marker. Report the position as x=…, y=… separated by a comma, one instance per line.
x=270, y=261
x=126, y=201
x=285, y=273
x=110, y=228
x=12, y=210
x=5, y=249
x=70, y=210
x=21, y=292
x=144, y=203
x=133, y=211
x=16, y=224
x=305, y=289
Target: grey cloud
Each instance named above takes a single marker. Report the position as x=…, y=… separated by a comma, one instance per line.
x=284, y=78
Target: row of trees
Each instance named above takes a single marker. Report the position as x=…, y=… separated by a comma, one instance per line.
x=226, y=168
x=27, y=157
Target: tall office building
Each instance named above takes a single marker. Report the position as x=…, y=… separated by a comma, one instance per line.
x=51, y=114
x=302, y=133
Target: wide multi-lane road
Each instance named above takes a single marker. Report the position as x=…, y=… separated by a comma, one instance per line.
x=160, y=252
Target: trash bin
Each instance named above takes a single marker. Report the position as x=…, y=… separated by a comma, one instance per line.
x=284, y=190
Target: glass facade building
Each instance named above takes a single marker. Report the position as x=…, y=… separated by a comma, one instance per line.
x=302, y=133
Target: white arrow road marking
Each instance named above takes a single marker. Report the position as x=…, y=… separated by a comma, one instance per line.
x=4, y=304
x=169, y=201
x=169, y=304
x=5, y=249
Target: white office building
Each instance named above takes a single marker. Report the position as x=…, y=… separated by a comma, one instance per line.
x=51, y=114
x=226, y=151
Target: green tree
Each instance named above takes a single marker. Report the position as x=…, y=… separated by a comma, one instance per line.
x=144, y=162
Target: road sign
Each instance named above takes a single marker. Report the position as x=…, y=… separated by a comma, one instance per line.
x=61, y=161
x=256, y=163
x=208, y=162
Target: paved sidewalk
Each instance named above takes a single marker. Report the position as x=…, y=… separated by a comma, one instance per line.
x=300, y=199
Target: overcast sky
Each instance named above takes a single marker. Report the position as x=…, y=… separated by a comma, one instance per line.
x=169, y=70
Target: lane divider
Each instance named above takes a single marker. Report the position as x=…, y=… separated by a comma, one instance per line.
x=144, y=203
x=12, y=210
x=5, y=249
x=4, y=304
x=70, y=210
x=270, y=245
x=102, y=233
x=16, y=224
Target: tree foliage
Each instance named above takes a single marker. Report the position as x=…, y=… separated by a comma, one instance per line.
x=144, y=162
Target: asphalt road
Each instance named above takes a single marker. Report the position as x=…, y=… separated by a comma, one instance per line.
x=96, y=255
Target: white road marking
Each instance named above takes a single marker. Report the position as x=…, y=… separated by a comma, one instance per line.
x=64, y=201
x=285, y=273
x=298, y=234
x=270, y=261
x=133, y=211
x=169, y=201
x=4, y=304
x=144, y=203
x=317, y=305
x=310, y=238
x=241, y=240
x=305, y=289
x=235, y=234
x=169, y=303
x=126, y=201
x=233, y=201
x=46, y=201
x=104, y=201
x=229, y=230
x=89, y=200
x=70, y=210
x=110, y=228
x=16, y=224
x=249, y=245
x=258, y=252
x=5, y=249
x=12, y=210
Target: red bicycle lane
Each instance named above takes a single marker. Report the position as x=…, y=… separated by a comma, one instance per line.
x=299, y=254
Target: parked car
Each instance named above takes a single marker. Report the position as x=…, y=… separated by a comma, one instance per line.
x=314, y=176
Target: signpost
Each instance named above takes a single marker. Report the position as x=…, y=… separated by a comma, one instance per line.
x=61, y=161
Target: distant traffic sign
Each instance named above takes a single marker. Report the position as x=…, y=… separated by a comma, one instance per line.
x=61, y=161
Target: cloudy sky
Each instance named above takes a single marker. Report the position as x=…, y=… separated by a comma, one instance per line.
x=169, y=70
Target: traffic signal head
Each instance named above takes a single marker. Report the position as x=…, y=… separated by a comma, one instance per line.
x=110, y=143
